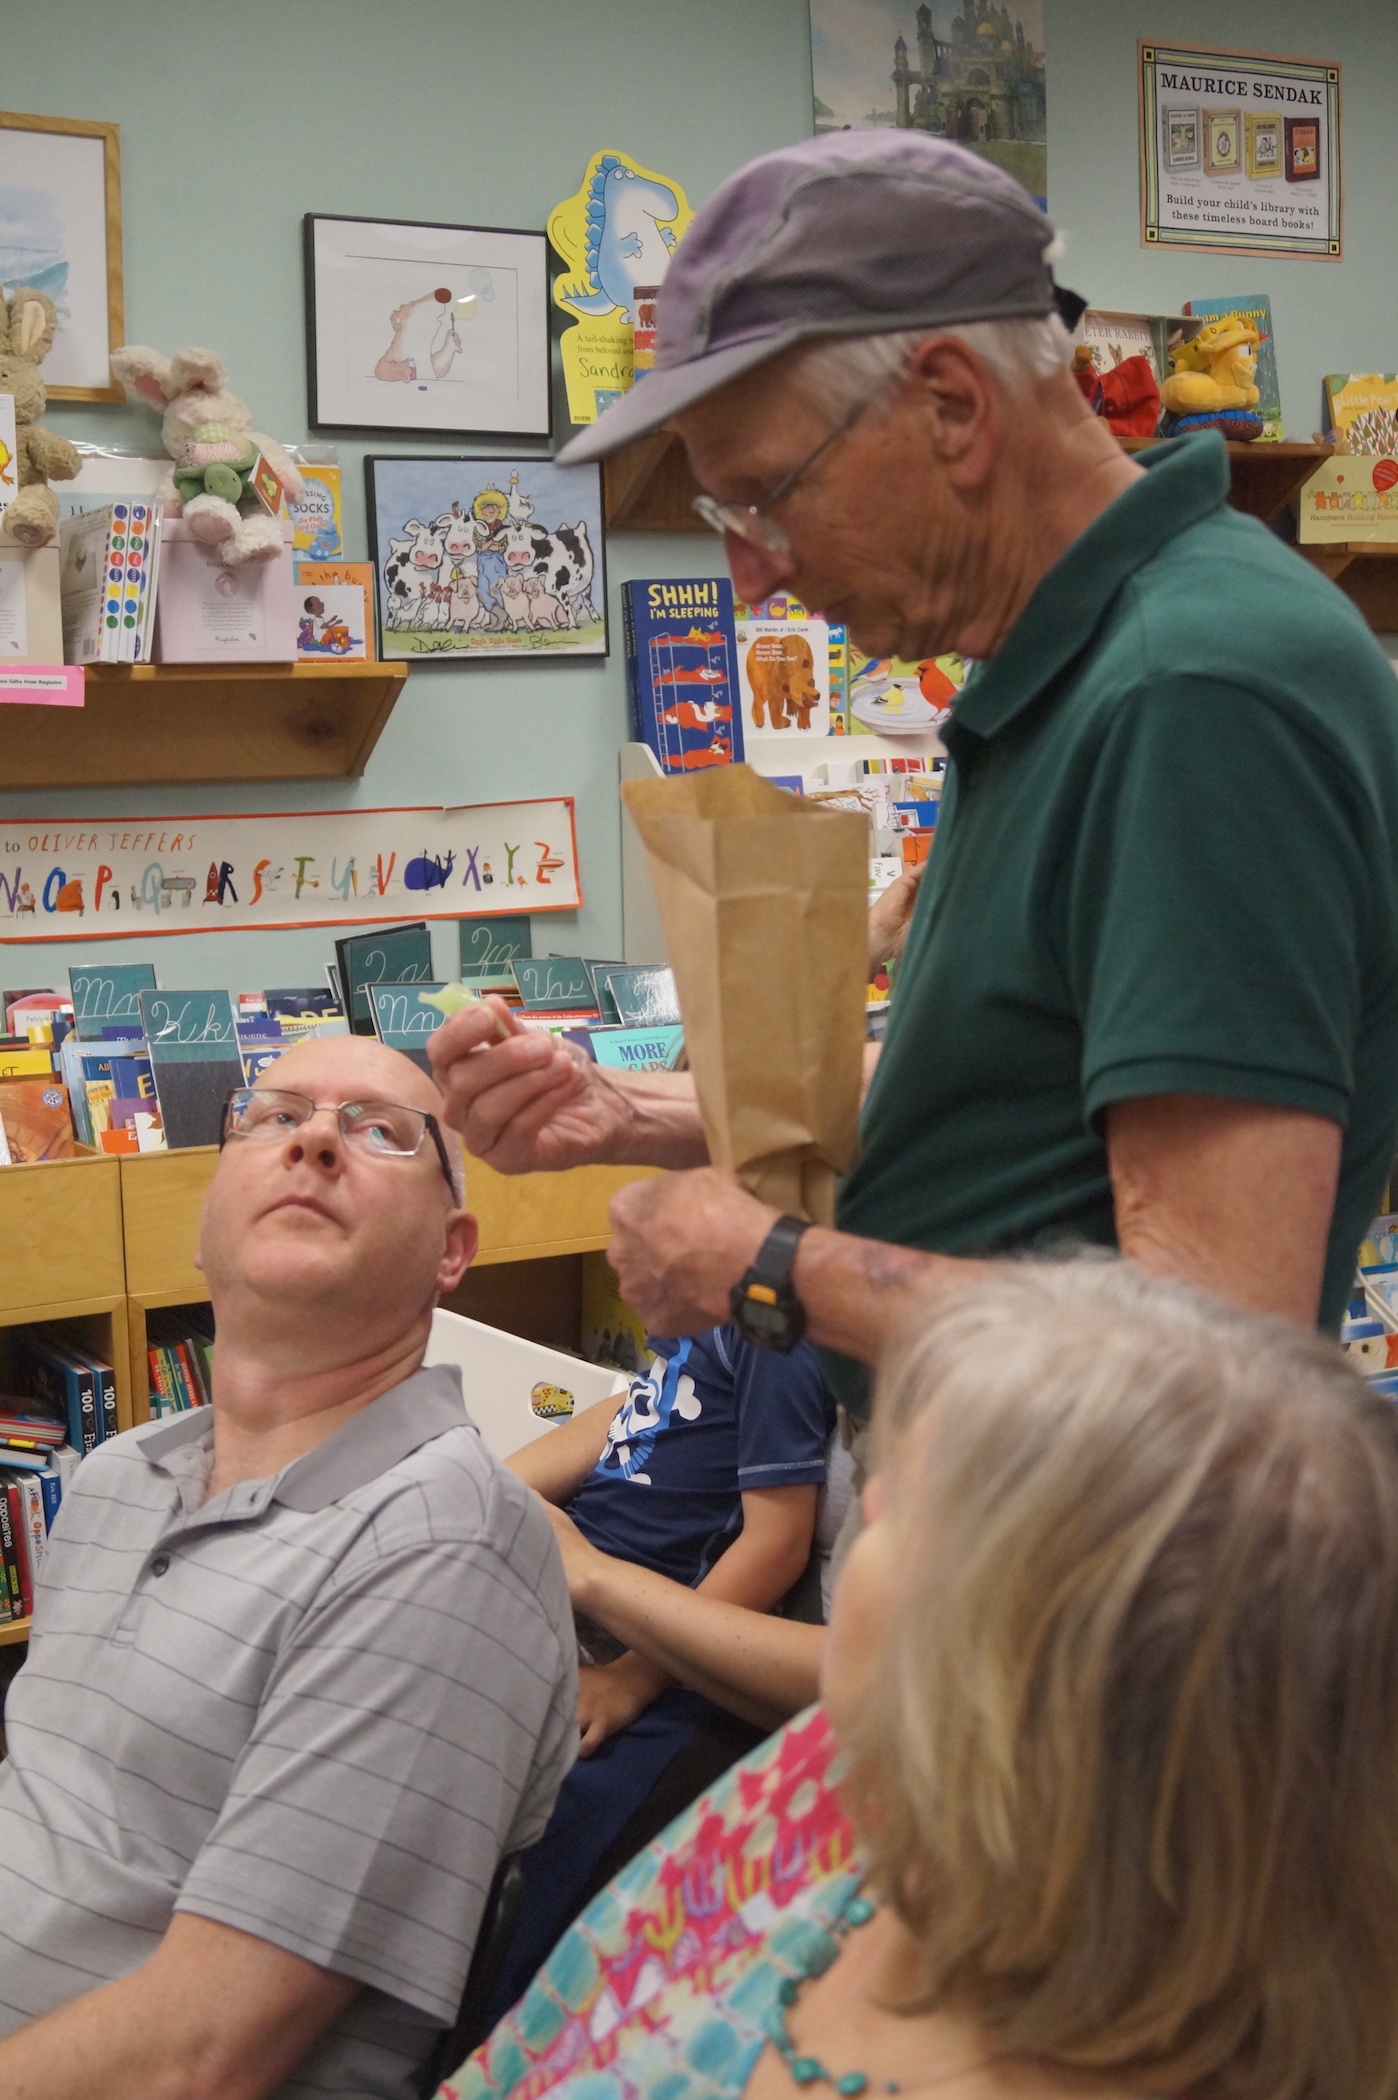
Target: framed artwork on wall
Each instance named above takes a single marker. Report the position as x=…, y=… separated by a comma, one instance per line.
x=427, y=328
x=60, y=231
x=487, y=557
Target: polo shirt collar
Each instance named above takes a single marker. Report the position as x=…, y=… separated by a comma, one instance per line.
x=382, y=1434
x=1186, y=480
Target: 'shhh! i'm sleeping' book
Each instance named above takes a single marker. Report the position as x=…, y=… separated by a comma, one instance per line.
x=682, y=670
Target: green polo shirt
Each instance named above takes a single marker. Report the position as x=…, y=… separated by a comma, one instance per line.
x=1167, y=862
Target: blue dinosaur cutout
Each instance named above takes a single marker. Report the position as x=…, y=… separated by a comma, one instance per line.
x=628, y=237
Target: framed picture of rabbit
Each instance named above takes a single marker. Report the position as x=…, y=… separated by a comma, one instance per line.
x=427, y=328
x=487, y=557
x=60, y=234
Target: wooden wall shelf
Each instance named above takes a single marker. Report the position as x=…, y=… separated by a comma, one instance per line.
x=648, y=487
x=184, y=722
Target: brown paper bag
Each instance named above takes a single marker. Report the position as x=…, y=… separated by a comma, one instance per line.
x=764, y=901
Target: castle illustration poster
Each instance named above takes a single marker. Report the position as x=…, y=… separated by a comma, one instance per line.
x=973, y=72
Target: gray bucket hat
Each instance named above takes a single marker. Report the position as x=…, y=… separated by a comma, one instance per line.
x=851, y=233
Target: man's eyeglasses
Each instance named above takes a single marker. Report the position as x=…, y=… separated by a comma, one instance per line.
x=381, y=1129
x=752, y=521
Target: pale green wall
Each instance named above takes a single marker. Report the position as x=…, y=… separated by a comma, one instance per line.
x=1330, y=317
x=236, y=121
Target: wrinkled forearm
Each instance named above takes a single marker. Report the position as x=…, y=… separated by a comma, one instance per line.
x=858, y=1293
x=661, y=1125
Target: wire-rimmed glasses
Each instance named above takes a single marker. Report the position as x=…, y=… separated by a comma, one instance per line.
x=379, y=1129
x=752, y=521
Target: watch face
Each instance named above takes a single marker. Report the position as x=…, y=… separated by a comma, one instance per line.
x=764, y=1323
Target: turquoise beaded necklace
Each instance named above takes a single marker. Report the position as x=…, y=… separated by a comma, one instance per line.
x=809, y=2070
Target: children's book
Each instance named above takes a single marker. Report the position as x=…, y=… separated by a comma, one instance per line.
x=390, y=955
x=334, y=615
x=785, y=672
x=299, y=1002
x=489, y=946
x=554, y=984
x=46, y=1372
x=644, y=995
x=402, y=1019
x=315, y=519
x=631, y=1049
x=891, y=696
x=36, y=1121
x=1257, y=308
x=1362, y=408
x=107, y=995
x=105, y=557
x=611, y=1332
x=681, y=671
x=193, y=1048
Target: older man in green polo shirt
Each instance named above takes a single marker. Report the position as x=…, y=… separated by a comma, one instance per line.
x=1150, y=991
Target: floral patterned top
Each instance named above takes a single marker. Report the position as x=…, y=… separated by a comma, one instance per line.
x=666, y=1987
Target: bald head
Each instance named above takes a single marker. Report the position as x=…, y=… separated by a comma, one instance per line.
x=365, y=1070
x=332, y=1234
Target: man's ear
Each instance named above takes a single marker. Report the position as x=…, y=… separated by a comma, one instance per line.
x=961, y=398
x=463, y=1236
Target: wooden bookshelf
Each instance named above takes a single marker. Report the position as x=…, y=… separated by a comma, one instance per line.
x=64, y=1263
x=60, y=1228
x=185, y=722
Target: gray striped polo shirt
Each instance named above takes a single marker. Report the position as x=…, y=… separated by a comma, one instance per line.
x=316, y=1707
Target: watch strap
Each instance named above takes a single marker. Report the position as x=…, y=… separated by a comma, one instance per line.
x=776, y=1257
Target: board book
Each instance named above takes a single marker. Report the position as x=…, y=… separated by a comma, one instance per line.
x=1257, y=308
x=681, y=670
x=392, y=955
x=192, y=1043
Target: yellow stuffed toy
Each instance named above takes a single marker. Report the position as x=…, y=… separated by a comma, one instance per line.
x=1213, y=380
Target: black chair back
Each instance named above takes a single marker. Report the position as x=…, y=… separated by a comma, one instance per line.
x=498, y=1921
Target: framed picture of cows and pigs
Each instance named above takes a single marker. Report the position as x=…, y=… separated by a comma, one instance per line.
x=487, y=557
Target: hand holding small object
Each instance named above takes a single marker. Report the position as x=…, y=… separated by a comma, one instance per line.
x=522, y=1101
x=681, y=1242
x=452, y=998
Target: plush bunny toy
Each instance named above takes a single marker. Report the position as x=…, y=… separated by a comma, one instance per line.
x=26, y=334
x=207, y=433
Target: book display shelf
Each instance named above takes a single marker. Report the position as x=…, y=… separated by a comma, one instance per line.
x=647, y=487
x=64, y=1263
x=185, y=722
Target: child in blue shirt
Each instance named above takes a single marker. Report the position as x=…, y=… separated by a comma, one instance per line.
x=708, y=1471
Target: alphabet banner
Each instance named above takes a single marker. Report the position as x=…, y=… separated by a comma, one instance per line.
x=85, y=877
x=1239, y=152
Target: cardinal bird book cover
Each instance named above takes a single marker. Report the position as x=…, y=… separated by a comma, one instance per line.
x=681, y=671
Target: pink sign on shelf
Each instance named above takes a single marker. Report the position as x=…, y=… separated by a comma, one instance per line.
x=42, y=685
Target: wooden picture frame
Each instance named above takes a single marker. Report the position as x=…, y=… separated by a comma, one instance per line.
x=426, y=329
x=76, y=201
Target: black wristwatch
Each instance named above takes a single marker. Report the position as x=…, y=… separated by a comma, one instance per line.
x=765, y=1308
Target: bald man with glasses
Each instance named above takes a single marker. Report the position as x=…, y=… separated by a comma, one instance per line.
x=302, y=1664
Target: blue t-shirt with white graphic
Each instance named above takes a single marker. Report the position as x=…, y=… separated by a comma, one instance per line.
x=710, y=1418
